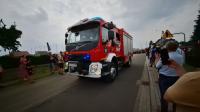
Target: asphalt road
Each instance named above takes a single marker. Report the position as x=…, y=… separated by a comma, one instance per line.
x=92, y=95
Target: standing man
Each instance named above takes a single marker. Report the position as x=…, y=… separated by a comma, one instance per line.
x=152, y=55
x=167, y=75
x=51, y=63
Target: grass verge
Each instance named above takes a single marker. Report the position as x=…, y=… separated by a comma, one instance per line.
x=12, y=76
x=190, y=68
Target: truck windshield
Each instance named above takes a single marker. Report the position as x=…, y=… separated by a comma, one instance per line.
x=84, y=35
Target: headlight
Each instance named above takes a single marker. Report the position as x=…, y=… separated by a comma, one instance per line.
x=94, y=68
x=66, y=65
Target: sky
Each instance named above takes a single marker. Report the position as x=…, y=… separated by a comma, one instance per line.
x=44, y=21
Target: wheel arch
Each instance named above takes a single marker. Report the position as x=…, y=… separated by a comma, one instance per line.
x=111, y=57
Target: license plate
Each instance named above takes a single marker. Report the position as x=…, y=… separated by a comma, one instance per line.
x=72, y=64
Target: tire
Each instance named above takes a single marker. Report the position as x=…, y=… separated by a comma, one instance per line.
x=113, y=73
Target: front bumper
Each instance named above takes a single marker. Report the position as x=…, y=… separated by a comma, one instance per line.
x=92, y=69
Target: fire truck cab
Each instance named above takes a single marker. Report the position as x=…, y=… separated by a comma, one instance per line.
x=97, y=49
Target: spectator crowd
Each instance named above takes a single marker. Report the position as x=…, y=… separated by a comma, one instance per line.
x=176, y=86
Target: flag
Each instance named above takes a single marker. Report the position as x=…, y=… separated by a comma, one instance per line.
x=48, y=47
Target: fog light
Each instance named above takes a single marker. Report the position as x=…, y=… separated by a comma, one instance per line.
x=86, y=57
x=94, y=68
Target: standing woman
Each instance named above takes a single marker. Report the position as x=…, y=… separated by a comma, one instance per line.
x=29, y=70
x=22, y=67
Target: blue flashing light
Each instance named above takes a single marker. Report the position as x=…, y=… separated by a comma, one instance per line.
x=96, y=18
x=86, y=57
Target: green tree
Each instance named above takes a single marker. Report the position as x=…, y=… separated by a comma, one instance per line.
x=8, y=37
x=193, y=57
x=195, y=37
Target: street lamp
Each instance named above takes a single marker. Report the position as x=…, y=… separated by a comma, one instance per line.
x=180, y=33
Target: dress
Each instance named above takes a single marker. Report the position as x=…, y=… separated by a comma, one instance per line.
x=22, y=68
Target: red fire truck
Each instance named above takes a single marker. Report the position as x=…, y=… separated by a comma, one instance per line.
x=97, y=49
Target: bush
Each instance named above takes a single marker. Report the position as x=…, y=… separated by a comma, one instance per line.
x=13, y=62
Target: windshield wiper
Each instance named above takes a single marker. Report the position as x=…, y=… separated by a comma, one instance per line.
x=89, y=41
x=80, y=43
x=73, y=43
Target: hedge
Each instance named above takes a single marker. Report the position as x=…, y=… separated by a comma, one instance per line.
x=9, y=62
x=38, y=60
x=13, y=62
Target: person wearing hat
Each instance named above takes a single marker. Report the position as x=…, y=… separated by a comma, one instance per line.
x=167, y=75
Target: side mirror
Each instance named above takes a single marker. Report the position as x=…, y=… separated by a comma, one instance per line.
x=111, y=35
x=66, y=35
x=65, y=41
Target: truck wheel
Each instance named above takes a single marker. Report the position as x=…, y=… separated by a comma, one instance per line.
x=81, y=77
x=113, y=73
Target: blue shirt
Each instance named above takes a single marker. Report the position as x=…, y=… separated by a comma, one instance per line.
x=166, y=70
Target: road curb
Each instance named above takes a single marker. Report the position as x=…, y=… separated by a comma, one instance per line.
x=148, y=98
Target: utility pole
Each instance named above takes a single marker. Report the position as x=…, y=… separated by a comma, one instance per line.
x=180, y=33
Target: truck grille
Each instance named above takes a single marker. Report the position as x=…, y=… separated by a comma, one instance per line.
x=81, y=65
x=76, y=58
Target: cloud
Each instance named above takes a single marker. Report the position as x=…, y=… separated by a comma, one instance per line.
x=47, y=20
x=36, y=17
x=140, y=14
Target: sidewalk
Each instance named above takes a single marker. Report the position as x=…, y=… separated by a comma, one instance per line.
x=148, y=97
x=21, y=97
